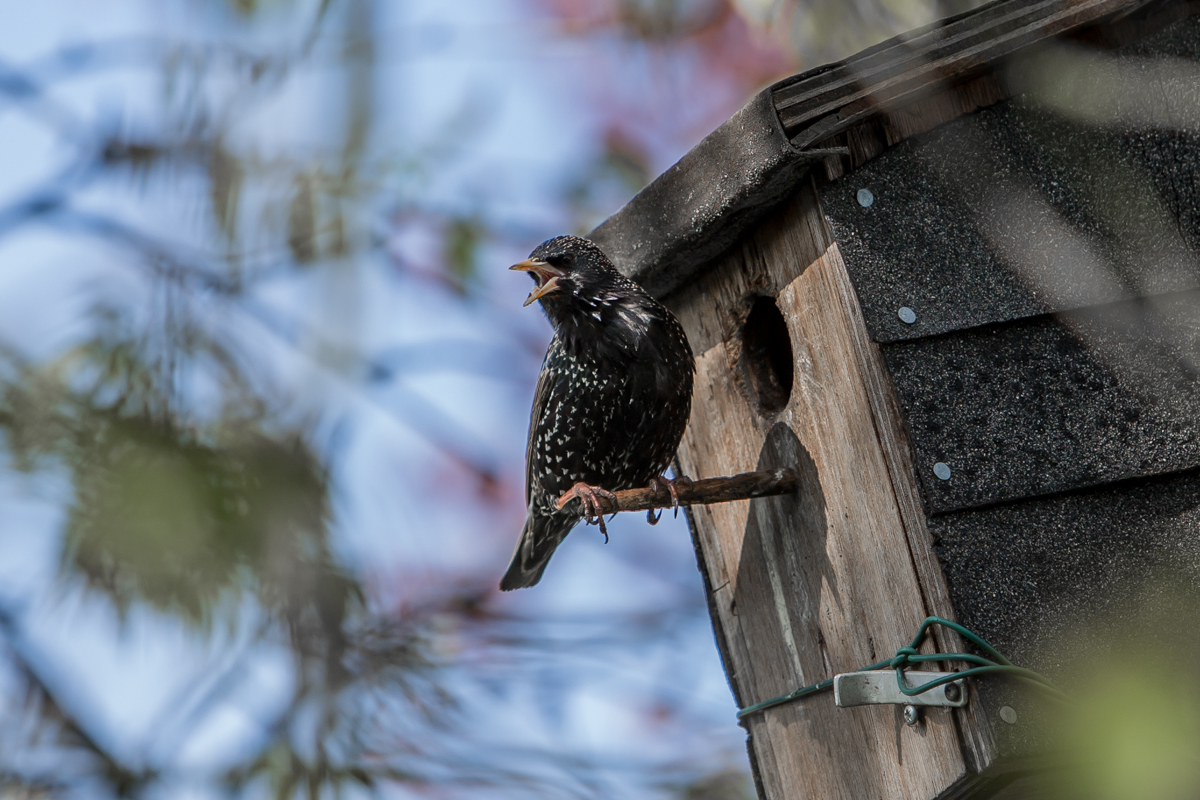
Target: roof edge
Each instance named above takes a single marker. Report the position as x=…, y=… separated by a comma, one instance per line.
x=700, y=206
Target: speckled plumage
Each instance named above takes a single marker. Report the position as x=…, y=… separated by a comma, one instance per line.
x=612, y=399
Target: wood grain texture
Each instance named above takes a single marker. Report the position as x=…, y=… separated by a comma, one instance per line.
x=974, y=731
x=838, y=575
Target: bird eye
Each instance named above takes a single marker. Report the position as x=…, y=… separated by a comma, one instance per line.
x=563, y=260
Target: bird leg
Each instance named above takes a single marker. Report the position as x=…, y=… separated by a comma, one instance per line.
x=658, y=482
x=589, y=502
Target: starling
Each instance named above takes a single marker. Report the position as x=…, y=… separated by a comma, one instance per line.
x=612, y=399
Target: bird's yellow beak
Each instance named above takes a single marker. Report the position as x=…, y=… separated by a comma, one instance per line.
x=547, y=277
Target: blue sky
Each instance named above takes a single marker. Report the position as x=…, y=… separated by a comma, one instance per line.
x=404, y=516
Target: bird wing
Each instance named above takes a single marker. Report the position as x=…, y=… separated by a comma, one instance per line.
x=540, y=395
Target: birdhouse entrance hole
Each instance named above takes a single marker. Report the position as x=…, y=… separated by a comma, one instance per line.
x=767, y=355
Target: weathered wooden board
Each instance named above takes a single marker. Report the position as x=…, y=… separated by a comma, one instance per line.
x=833, y=578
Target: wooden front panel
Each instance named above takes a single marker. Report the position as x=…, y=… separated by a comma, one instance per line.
x=838, y=576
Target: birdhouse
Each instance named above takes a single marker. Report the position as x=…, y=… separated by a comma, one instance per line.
x=954, y=282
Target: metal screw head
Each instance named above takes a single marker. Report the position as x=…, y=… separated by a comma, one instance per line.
x=907, y=315
x=865, y=198
x=912, y=715
x=952, y=692
x=1008, y=714
x=942, y=470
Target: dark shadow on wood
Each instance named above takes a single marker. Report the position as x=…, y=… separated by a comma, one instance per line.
x=782, y=572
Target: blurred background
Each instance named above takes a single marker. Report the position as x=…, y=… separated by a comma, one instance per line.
x=265, y=384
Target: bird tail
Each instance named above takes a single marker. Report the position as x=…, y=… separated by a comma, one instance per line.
x=542, y=535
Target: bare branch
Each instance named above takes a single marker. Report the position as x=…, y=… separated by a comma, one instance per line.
x=746, y=486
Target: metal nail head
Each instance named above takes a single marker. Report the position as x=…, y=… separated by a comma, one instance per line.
x=1008, y=714
x=907, y=315
x=865, y=198
x=952, y=692
x=911, y=715
x=942, y=470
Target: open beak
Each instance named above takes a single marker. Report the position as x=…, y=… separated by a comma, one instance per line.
x=546, y=275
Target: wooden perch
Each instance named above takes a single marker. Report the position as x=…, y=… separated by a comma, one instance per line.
x=746, y=486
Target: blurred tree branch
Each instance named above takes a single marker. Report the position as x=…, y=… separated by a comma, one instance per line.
x=199, y=489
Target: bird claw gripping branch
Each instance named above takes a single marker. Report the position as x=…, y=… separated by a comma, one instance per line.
x=589, y=503
x=658, y=483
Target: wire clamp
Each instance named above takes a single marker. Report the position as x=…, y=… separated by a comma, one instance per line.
x=879, y=687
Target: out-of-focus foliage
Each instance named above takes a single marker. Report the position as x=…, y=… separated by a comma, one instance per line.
x=817, y=31
x=165, y=510
x=1135, y=730
x=647, y=117
x=201, y=475
x=462, y=248
x=811, y=31
x=727, y=785
x=167, y=518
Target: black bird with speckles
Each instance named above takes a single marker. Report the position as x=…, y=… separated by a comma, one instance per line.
x=612, y=400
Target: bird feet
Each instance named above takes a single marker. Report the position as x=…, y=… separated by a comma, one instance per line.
x=589, y=502
x=657, y=483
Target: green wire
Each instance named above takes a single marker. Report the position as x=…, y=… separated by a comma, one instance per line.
x=907, y=656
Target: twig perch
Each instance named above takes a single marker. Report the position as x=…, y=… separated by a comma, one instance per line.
x=746, y=486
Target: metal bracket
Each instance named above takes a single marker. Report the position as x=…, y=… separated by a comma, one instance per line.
x=879, y=686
